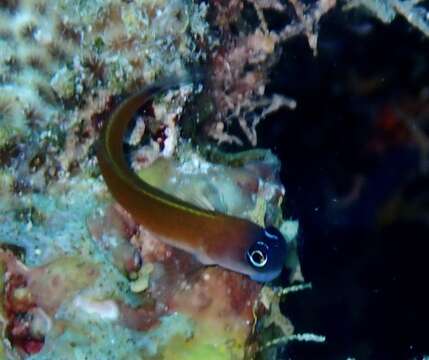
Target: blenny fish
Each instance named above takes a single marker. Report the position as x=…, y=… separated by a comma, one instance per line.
x=212, y=237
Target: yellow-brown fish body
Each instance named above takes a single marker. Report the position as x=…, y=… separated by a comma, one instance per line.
x=214, y=238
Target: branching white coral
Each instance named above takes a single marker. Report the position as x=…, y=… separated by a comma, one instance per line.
x=416, y=12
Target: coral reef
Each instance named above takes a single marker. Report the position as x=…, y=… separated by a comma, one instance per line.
x=240, y=64
x=62, y=62
x=79, y=277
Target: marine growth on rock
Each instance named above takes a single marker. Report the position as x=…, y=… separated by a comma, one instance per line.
x=80, y=278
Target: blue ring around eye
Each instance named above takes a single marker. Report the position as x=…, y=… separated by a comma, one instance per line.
x=269, y=235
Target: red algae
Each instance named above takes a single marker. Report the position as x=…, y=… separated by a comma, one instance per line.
x=223, y=298
x=141, y=318
x=32, y=296
x=214, y=298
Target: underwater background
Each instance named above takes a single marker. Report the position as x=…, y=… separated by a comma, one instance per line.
x=355, y=170
x=310, y=116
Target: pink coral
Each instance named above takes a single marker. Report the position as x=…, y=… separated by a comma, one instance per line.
x=240, y=63
x=211, y=296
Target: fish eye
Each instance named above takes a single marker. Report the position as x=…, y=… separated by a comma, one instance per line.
x=258, y=254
